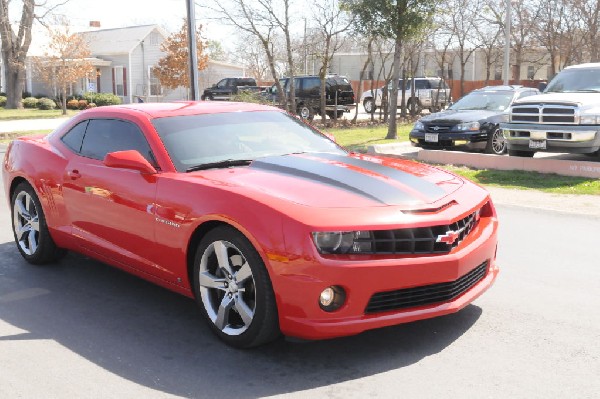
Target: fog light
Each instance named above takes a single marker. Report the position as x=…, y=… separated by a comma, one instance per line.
x=332, y=298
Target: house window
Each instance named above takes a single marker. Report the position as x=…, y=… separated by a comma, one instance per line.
x=154, y=83
x=119, y=81
x=154, y=39
x=530, y=72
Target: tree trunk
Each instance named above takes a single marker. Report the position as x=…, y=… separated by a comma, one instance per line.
x=14, y=89
x=393, y=96
x=63, y=100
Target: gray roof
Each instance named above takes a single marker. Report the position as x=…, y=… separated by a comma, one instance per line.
x=118, y=40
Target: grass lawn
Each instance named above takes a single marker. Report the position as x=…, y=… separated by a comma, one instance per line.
x=25, y=133
x=32, y=113
x=520, y=179
x=359, y=138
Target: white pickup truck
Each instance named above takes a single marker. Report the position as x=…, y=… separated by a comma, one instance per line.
x=565, y=118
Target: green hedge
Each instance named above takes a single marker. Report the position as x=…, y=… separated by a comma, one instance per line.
x=102, y=99
x=30, y=102
x=2, y=101
x=45, y=104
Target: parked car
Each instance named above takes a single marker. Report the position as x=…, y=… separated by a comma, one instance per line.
x=430, y=93
x=472, y=122
x=269, y=225
x=225, y=88
x=339, y=95
x=565, y=118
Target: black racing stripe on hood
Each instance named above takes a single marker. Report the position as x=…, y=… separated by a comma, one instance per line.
x=325, y=172
x=426, y=188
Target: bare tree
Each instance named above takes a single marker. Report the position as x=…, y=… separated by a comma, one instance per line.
x=15, y=45
x=256, y=19
x=489, y=33
x=588, y=12
x=331, y=22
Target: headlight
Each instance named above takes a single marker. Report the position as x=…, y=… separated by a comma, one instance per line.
x=419, y=126
x=343, y=242
x=589, y=119
x=468, y=126
x=504, y=117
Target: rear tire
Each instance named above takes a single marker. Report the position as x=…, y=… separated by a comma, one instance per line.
x=233, y=289
x=305, y=112
x=30, y=229
x=521, y=153
x=369, y=105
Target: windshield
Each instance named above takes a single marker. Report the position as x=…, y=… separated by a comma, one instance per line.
x=481, y=100
x=222, y=138
x=575, y=80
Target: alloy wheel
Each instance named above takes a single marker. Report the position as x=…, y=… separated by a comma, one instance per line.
x=498, y=142
x=26, y=223
x=227, y=288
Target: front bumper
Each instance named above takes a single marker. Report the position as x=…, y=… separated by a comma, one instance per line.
x=552, y=138
x=470, y=140
x=303, y=280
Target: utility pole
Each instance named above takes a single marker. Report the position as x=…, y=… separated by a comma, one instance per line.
x=507, y=43
x=193, y=53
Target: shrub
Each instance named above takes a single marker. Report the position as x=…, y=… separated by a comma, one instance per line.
x=30, y=102
x=102, y=99
x=90, y=105
x=73, y=104
x=46, y=103
x=25, y=95
x=82, y=104
x=2, y=101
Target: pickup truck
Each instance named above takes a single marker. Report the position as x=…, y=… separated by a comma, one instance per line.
x=565, y=118
x=225, y=88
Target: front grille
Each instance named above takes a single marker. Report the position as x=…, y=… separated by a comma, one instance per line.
x=418, y=240
x=426, y=294
x=437, y=128
x=544, y=113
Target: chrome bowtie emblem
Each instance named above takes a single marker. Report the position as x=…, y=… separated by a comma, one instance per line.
x=449, y=238
x=435, y=128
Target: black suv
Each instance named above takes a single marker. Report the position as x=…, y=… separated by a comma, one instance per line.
x=339, y=96
x=225, y=88
x=472, y=122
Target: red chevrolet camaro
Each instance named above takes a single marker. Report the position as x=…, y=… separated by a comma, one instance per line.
x=267, y=223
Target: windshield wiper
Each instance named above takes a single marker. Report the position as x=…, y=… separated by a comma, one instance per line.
x=227, y=163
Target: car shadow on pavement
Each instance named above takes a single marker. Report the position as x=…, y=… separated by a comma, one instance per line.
x=157, y=339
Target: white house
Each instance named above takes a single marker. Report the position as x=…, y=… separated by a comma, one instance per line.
x=123, y=59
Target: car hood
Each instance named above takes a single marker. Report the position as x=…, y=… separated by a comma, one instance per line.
x=458, y=116
x=339, y=181
x=575, y=98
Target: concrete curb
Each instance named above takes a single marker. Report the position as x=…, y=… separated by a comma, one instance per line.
x=562, y=167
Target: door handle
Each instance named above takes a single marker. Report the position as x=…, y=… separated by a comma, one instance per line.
x=74, y=174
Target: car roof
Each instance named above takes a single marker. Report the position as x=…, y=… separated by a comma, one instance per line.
x=511, y=88
x=181, y=108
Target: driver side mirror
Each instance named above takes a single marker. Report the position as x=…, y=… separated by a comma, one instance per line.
x=130, y=159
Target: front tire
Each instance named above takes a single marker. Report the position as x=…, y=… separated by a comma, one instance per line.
x=233, y=289
x=30, y=229
x=496, y=143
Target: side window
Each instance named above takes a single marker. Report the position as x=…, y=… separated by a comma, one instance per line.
x=109, y=135
x=222, y=83
x=312, y=85
x=74, y=137
x=421, y=84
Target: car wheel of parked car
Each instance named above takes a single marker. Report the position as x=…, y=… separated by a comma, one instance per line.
x=417, y=104
x=520, y=153
x=496, y=143
x=305, y=112
x=335, y=115
x=233, y=289
x=30, y=229
x=369, y=105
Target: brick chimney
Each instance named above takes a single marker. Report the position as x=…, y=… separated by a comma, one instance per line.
x=94, y=24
